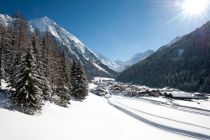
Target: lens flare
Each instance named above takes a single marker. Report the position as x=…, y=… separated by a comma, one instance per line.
x=194, y=7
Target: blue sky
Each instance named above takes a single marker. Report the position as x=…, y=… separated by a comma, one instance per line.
x=118, y=29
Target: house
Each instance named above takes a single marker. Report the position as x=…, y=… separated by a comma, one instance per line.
x=99, y=92
x=201, y=95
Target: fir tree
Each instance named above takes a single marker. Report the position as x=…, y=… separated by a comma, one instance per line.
x=13, y=69
x=38, y=50
x=62, y=82
x=50, y=60
x=27, y=96
x=20, y=40
x=4, y=49
x=2, y=45
x=78, y=81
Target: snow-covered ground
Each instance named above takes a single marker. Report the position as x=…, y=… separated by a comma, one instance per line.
x=4, y=84
x=95, y=118
x=162, y=115
x=201, y=104
x=92, y=119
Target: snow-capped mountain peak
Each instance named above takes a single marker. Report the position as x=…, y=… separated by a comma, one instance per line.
x=76, y=47
x=45, y=24
x=42, y=23
x=5, y=19
x=119, y=66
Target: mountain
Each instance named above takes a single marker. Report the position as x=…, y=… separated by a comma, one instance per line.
x=111, y=64
x=183, y=64
x=122, y=65
x=170, y=43
x=76, y=49
x=5, y=20
x=119, y=66
x=139, y=57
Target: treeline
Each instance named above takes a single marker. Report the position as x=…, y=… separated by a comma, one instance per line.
x=36, y=69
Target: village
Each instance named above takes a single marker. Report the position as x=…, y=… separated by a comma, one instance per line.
x=108, y=86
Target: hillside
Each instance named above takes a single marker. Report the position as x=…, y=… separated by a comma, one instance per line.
x=184, y=64
x=75, y=49
x=122, y=65
x=93, y=119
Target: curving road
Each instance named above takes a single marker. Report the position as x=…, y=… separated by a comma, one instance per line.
x=176, y=106
x=132, y=112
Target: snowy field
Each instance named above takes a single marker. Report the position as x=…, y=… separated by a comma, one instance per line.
x=95, y=118
x=201, y=104
x=92, y=119
x=166, y=116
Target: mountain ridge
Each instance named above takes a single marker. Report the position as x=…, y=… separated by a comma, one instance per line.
x=183, y=64
x=119, y=66
x=76, y=49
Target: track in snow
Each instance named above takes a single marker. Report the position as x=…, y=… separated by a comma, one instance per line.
x=160, y=126
x=175, y=106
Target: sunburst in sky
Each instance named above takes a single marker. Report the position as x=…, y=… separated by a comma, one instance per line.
x=191, y=10
x=195, y=8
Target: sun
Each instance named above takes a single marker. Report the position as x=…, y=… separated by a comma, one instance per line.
x=194, y=7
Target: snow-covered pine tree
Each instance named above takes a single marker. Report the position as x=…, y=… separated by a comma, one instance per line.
x=6, y=56
x=78, y=81
x=38, y=50
x=68, y=64
x=20, y=40
x=62, y=82
x=2, y=46
x=50, y=59
x=28, y=94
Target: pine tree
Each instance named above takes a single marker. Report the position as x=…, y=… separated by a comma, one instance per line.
x=9, y=52
x=2, y=45
x=28, y=95
x=78, y=81
x=62, y=82
x=38, y=50
x=13, y=70
x=20, y=41
x=51, y=62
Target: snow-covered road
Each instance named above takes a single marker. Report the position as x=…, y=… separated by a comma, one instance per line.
x=163, y=117
x=187, y=105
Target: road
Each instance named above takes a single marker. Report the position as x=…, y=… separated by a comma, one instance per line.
x=164, y=118
x=176, y=106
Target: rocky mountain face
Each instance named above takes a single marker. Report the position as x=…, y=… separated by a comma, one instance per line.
x=75, y=48
x=183, y=64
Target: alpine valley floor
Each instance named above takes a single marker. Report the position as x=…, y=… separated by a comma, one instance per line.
x=92, y=119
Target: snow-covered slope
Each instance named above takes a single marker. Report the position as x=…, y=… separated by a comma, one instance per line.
x=93, y=65
x=186, y=123
x=76, y=49
x=45, y=24
x=93, y=119
x=111, y=64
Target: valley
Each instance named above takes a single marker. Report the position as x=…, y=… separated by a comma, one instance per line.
x=105, y=70
x=110, y=117
x=187, y=117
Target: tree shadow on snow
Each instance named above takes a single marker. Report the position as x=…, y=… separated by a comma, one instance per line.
x=5, y=102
